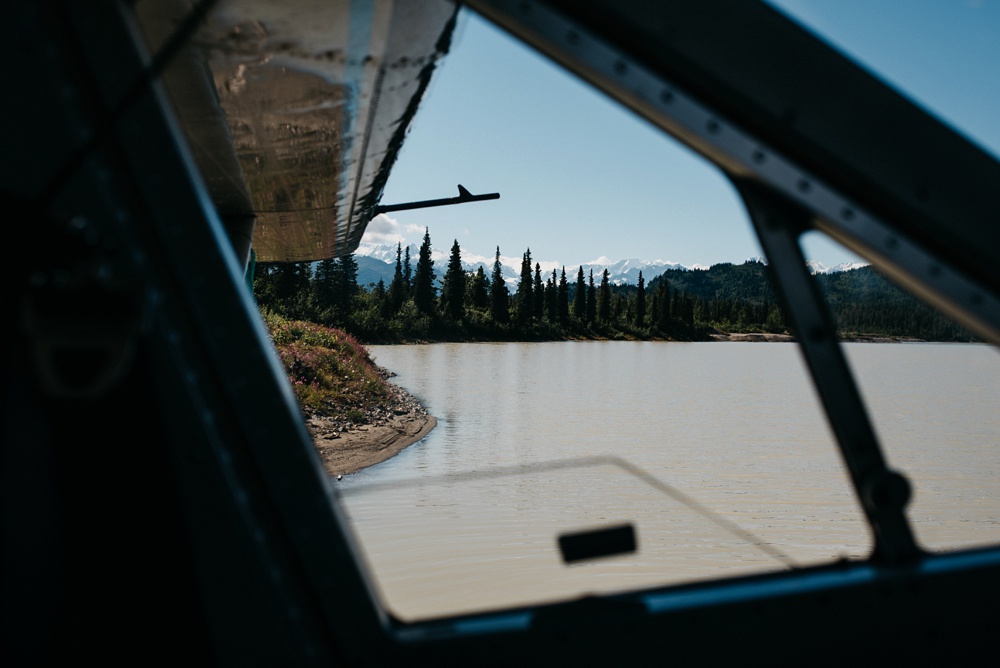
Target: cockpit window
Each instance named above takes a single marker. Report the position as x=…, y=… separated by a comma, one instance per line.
x=933, y=396
x=716, y=455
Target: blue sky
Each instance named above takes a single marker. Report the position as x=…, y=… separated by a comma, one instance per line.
x=581, y=178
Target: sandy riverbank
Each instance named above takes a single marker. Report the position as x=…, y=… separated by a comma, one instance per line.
x=347, y=448
x=726, y=336
x=786, y=338
x=348, y=452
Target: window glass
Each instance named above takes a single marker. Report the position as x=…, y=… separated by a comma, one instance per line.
x=933, y=394
x=721, y=459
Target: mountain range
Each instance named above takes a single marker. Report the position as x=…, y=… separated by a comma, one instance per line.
x=378, y=262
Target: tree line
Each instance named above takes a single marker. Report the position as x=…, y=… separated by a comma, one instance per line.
x=470, y=305
x=678, y=304
x=739, y=298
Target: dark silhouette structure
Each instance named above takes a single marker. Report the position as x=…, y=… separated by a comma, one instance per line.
x=160, y=490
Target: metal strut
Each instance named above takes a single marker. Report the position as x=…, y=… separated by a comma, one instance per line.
x=883, y=493
x=463, y=197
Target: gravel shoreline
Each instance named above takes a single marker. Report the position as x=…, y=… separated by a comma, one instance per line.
x=346, y=447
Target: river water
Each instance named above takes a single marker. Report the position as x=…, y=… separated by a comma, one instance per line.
x=716, y=453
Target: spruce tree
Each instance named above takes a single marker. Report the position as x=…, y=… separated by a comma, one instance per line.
x=453, y=290
x=538, y=294
x=423, y=280
x=580, y=301
x=478, y=295
x=264, y=283
x=324, y=286
x=408, y=272
x=381, y=297
x=499, y=295
x=397, y=288
x=640, y=302
x=346, y=276
x=591, y=299
x=552, y=298
x=563, y=298
x=291, y=291
x=604, y=299
x=349, y=265
x=524, y=302
x=292, y=280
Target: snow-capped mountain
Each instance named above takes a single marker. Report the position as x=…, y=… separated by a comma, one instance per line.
x=377, y=261
x=383, y=252
x=620, y=272
x=626, y=272
x=816, y=267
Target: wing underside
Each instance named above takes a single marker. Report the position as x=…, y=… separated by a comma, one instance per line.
x=295, y=111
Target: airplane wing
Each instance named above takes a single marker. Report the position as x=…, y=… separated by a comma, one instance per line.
x=295, y=111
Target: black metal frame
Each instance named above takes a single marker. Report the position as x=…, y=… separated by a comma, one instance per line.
x=239, y=532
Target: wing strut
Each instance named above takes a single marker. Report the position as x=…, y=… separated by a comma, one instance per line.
x=882, y=492
x=463, y=197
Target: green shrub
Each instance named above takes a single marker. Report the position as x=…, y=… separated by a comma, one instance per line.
x=329, y=370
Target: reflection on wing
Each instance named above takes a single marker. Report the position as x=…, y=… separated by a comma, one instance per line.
x=296, y=110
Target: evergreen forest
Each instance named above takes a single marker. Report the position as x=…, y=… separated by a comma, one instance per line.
x=688, y=305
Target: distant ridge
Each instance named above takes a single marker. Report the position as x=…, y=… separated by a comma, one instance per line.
x=378, y=261
x=819, y=268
